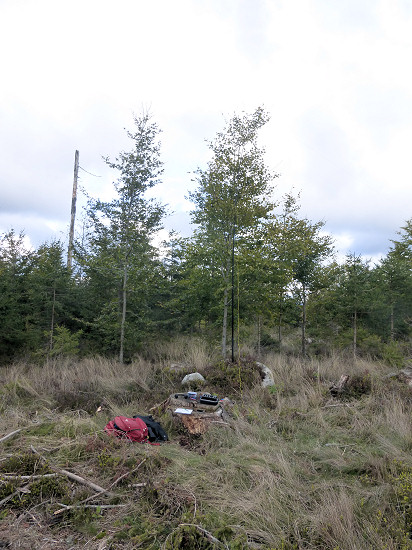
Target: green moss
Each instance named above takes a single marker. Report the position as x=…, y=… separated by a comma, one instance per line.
x=47, y=428
x=24, y=464
x=188, y=537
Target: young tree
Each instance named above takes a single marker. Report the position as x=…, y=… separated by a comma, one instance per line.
x=312, y=249
x=51, y=294
x=232, y=199
x=394, y=281
x=119, y=252
x=15, y=262
x=354, y=293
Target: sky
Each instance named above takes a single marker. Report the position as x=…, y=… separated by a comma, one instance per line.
x=334, y=76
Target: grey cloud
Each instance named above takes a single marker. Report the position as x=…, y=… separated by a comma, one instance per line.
x=339, y=191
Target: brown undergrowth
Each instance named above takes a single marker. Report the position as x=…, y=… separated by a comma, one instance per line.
x=295, y=468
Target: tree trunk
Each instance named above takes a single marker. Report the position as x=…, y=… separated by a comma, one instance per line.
x=392, y=324
x=52, y=317
x=304, y=321
x=355, y=330
x=280, y=321
x=224, y=327
x=73, y=210
x=226, y=280
x=123, y=322
x=259, y=336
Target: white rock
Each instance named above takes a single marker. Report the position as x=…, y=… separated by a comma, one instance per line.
x=193, y=377
x=267, y=376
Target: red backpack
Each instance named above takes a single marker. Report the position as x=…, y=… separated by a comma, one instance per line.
x=130, y=428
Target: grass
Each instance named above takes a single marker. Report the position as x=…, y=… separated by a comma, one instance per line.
x=297, y=469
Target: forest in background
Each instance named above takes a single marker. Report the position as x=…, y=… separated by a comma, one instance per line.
x=254, y=274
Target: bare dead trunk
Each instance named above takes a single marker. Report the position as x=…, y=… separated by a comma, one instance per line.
x=73, y=210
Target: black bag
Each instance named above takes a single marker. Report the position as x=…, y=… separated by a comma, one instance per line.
x=208, y=399
x=156, y=432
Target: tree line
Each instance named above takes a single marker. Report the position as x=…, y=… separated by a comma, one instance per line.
x=253, y=270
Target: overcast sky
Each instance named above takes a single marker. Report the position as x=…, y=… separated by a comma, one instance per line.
x=335, y=76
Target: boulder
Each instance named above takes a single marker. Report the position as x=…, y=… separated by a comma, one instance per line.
x=266, y=374
x=193, y=377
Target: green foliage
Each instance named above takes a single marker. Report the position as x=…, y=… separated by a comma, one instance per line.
x=188, y=537
x=118, y=257
x=25, y=464
x=393, y=354
x=228, y=377
x=358, y=385
x=232, y=201
x=65, y=342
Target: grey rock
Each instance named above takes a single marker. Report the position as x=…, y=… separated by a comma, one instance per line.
x=193, y=377
x=267, y=376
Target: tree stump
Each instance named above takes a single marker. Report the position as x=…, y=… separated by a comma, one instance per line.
x=337, y=389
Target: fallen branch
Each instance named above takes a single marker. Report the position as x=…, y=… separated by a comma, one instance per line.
x=104, y=491
x=8, y=498
x=208, y=535
x=11, y=434
x=73, y=476
x=127, y=474
x=37, y=476
x=103, y=506
x=23, y=489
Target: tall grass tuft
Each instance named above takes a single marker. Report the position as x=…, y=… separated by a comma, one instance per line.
x=293, y=468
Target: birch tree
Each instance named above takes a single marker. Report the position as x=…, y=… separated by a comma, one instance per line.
x=119, y=249
x=232, y=199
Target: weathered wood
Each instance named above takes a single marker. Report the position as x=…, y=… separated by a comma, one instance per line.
x=72, y=476
x=38, y=476
x=24, y=489
x=336, y=389
x=73, y=210
x=11, y=434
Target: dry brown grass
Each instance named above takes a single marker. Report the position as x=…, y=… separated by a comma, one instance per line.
x=297, y=469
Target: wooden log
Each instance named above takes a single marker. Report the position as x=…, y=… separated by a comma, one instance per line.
x=74, y=477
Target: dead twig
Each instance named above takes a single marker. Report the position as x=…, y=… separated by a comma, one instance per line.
x=127, y=473
x=208, y=535
x=103, y=506
x=37, y=476
x=24, y=489
x=104, y=491
x=72, y=476
x=11, y=434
